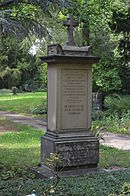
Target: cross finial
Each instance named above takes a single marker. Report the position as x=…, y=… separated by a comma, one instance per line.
x=70, y=24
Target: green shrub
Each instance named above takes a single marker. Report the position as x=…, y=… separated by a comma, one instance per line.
x=97, y=114
x=117, y=104
x=115, y=117
x=114, y=123
x=39, y=109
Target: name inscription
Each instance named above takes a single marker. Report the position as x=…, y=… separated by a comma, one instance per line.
x=74, y=98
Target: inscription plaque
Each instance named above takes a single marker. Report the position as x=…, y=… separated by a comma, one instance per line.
x=76, y=152
x=74, y=98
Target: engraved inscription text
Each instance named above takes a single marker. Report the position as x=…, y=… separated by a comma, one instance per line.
x=74, y=98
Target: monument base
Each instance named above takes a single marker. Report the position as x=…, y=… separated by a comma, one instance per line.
x=45, y=172
x=74, y=150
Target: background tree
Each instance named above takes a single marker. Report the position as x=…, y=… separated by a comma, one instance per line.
x=120, y=25
x=96, y=16
x=24, y=18
x=100, y=20
x=17, y=65
x=21, y=17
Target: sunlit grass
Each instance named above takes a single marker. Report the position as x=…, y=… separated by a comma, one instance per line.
x=22, y=96
x=20, y=148
x=111, y=157
x=22, y=102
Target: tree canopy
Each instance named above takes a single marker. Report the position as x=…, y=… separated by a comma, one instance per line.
x=107, y=27
x=22, y=17
x=108, y=31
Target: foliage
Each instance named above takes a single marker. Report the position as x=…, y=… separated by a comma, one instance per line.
x=53, y=161
x=39, y=109
x=17, y=66
x=117, y=104
x=25, y=18
x=22, y=17
x=43, y=74
x=96, y=17
x=120, y=24
x=106, y=31
x=106, y=74
x=102, y=183
x=113, y=123
x=115, y=117
x=125, y=189
x=97, y=114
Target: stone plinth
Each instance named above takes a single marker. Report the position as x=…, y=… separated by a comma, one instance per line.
x=73, y=151
x=69, y=100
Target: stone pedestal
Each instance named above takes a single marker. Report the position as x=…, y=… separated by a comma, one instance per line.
x=81, y=151
x=69, y=100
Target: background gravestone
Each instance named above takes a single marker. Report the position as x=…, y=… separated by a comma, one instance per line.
x=97, y=101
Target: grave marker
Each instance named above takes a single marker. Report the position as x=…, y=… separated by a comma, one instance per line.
x=69, y=98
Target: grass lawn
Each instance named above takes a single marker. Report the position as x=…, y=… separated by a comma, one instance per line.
x=23, y=140
x=22, y=102
x=19, y=145
x=20, y=150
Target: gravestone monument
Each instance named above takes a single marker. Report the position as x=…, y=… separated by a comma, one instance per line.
x=69, y=100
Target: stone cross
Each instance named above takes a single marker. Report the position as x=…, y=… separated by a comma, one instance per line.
x=70, y=24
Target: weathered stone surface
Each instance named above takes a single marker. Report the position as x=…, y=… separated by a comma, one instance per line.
x=98, y=101
x=75, y=51
x=69, y=59
x=74, y=102
x=73, y=151
x=54, y=49
x=70, y=23
x=69, y=112
x=45, y=172
x=69, y=99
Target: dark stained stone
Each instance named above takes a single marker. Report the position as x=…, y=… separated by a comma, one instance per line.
x=73, y=151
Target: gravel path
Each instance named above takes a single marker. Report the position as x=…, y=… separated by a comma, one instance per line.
x=39, y=124
x=110, y=139
x=116, y=140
